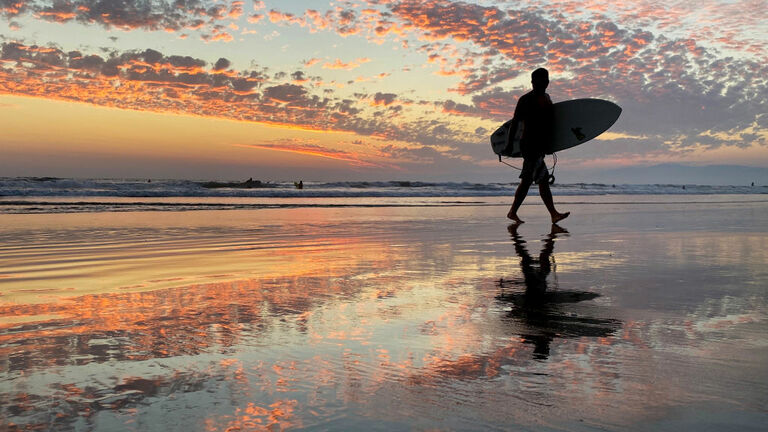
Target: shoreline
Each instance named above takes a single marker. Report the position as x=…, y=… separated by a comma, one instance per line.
x=86, y=204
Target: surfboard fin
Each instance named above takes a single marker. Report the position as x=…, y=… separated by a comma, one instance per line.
x=579, y=134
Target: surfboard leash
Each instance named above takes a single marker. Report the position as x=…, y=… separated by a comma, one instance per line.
x=510, y=165
x=550, y=179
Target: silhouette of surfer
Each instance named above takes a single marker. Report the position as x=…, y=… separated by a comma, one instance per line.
x=534, y=110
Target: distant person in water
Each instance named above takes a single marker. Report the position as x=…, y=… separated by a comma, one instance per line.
x=534, y=110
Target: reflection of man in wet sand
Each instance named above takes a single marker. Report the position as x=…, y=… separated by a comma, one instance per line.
x=539, y=309
x=534, y=111
x=532, y=305
x=534, y=271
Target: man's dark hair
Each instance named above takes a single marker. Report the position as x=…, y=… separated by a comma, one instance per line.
x=540, y=73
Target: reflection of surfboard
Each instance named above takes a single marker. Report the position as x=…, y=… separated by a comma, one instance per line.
x=575, y=122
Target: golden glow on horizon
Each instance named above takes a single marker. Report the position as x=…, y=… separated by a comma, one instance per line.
x=80, y=128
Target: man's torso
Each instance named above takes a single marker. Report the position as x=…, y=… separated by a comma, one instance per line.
x=535, y=110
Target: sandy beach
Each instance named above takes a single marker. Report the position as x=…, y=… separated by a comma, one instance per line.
x=628, y=315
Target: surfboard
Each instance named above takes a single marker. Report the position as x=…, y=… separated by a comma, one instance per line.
x=575, y=122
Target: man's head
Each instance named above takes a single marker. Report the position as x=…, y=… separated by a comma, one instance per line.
x=540, y=79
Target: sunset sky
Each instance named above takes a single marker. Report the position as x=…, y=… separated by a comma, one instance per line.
x=369, y=89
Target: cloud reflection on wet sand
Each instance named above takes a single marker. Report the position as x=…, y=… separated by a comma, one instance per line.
x=385, y=321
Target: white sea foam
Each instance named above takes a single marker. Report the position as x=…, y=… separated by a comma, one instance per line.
x=65, y=187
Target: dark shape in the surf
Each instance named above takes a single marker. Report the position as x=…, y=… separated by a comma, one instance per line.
x=248, y=184
x=535, y=110
x=299, y=184
x=540, y=309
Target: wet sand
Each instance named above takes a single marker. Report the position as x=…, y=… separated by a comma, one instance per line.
x=624, y=317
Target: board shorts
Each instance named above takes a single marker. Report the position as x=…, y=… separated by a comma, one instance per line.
x=534, y=169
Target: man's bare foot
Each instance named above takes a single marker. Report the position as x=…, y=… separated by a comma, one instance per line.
x=514, y=218
x=560, y=216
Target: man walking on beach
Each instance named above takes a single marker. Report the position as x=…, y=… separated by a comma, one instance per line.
x=535, y=113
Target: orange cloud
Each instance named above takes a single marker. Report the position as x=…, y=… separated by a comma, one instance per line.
x=315, y=150
x=235, y=9
x=253, y=19
x=338, y=64
x=311, y=62
x=218, y=36
x=148, y=80
x=276, y=16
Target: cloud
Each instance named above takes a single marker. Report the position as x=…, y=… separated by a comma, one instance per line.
x=255, y=18
x=286, y=94
x=656, y=78
x=235, y=9
x=451, y=107
x=653, y=76
x=311, y=62
x=276, y=16
x=221, y=64
x=217, y=33
x=338, y=64
x=147, y=15
x=299, y=77
x=311, y=149
x=735, y=26
x=152, y=81
x=384, y=99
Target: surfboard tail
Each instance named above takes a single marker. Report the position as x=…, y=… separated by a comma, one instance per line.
x=505, y=141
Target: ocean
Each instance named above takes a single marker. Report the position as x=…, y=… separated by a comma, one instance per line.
x=65, y=195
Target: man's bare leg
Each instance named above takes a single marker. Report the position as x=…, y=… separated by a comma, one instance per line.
x=520, y=193
x=546, y=196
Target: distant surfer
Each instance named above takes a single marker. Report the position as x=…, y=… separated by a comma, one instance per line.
x=534, y=110
x=299, y=184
